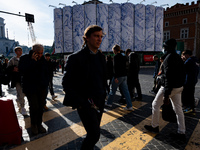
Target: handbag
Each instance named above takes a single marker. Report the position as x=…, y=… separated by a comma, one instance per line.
x=168, y=113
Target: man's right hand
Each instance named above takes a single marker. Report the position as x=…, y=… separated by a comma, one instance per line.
x=15, y=69
x=34, y=56
x=116, y=80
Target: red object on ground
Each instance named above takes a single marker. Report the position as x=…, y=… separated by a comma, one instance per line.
x=10, y=131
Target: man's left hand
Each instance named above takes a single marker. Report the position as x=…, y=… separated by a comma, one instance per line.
x=166, y=100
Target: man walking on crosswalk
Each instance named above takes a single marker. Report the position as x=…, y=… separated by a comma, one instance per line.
x=171, y=89
x=84, y=83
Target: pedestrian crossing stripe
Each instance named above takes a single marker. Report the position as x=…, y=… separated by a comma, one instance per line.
x=194, y=142
x=135, y=138
x=46, y=116
x=61, y=137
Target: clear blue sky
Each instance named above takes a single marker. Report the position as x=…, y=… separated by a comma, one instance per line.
x=43, y=26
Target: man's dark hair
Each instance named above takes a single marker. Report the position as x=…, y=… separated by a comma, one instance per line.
x=47, y=54
x=127, y=51
x=163, y=57
x=116, y=48
x=89, y=30
x=185, y=52
x=171, y=44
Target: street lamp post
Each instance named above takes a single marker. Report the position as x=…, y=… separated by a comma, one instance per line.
x=75, y=2
x=142, y=1
x=164, y=5
x=61, y=4
x=153, y=3
x=52, y=6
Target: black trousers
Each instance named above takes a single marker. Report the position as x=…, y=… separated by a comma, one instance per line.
x=91, y=120
x=36, y=101
x=188, y=96
x=51, y=86
x=133, y=82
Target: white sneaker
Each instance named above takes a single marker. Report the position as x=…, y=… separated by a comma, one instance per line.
x=53, y=97
x=128, y=108
x=108, y=105
x=23, y=111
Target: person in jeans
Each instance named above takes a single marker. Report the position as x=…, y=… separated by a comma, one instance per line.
x=119, y=79
x=171, y=89
x=84, y=83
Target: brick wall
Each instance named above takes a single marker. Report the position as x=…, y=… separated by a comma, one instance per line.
x=175, y=15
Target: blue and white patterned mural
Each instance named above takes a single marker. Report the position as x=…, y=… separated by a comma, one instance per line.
x=114, y=25
x=137, y=27
x=127, y=26
x=150, y=28
x=78, y=27
x=159, y=29
x=67, y=29
x=90, y=15
x=58, y=28
x=102, y=21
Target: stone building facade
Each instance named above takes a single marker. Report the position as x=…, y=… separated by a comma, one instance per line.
x=6, y=45
x=182, y=22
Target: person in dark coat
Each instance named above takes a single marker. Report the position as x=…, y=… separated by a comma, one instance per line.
x=84, y=83
x=133, y=75
x=35, y=80
x=156, y=70
x=170, y=90
x=192, y=70
x=50, y=68
x=109, y=70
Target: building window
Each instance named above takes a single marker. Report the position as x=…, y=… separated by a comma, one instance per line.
x=184, y=33
x=166, y=35
x=184, y=20
x=167, y=24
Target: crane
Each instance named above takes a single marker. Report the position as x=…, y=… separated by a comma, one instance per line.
x=29, y=19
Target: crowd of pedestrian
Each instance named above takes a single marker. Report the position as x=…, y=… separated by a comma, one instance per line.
x=90, y=82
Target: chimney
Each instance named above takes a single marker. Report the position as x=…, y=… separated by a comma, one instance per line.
x=192, y=3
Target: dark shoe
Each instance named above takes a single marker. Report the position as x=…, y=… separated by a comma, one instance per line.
x=41, y=129
x=122, y=101
x=138, y=98
x=34, y=129
x=177, y=136
x=151, y=129
x=152, y=92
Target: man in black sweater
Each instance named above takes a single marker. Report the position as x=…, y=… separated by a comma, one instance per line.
x=119, y=79
x=171, y=89
x=84, y=83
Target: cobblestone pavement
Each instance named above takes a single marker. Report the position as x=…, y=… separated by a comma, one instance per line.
x=120, y=129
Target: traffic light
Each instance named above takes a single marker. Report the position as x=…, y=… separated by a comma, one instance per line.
x=29, y=17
